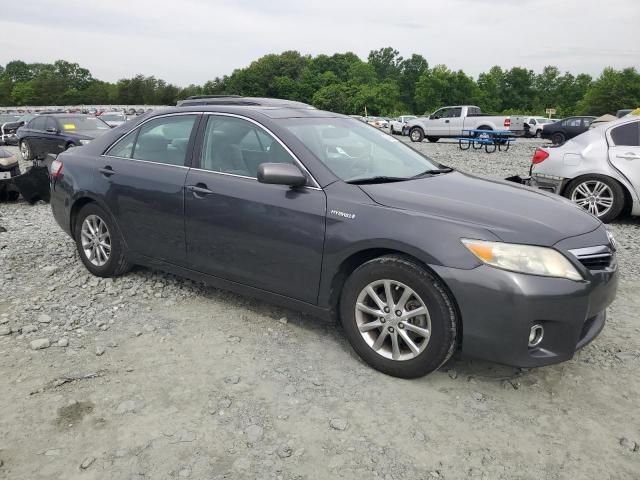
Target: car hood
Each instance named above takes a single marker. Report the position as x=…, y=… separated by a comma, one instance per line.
x=511, y=212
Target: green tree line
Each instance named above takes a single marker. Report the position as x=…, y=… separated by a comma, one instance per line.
x=384, y=84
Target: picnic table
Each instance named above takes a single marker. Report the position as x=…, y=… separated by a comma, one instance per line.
x=491, y=140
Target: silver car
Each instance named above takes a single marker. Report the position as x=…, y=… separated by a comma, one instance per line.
x=598, y=170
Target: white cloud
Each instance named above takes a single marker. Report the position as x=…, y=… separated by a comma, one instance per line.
x=192, y=41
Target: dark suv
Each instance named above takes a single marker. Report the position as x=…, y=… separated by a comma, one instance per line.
x=563, y=130
x=57, y=132
x=321, y=212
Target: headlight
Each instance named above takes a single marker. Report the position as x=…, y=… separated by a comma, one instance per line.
x=542, y=261
x=84, y=142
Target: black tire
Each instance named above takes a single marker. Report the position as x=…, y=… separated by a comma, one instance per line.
x=433, y=139
x=416, y=134
x=25, y=150
x=617, y=194
x=443, y=314
x=558, y=138
x=116, y=264
x=538, y=134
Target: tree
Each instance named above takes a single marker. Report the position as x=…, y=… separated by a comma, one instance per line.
x=386, y=62
x=411, y=69
x=612, y=91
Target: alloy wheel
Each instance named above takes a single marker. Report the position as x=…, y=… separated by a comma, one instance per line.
x=24, y=150
x=96, y=240
x=594, y=196
x=415, y=135
x=393, y=320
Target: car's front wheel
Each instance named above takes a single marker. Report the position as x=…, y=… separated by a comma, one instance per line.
x=25, y=150
x=398, y=317
x=416, y=134
x=99, y=242
x=599, y=195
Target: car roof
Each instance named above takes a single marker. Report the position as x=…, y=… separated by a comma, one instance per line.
x=274, y=112
x=240, y=100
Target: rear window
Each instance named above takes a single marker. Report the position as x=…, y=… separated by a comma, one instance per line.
x=627, y=135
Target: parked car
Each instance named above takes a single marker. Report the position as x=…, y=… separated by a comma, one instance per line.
x=533, y=126
x=57, y=132
x=451, y=121
x=566, y=129
x=377, y=122
x=399, y=124
x=599, y=170
x=624, y=112
x=7, y=132
x=316, y=211
x=131, y=111
x=113, y=119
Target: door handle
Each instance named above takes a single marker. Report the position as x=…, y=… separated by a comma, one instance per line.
x=199, y=189
x=629, y=156
x=106, y=171
x=446, y=121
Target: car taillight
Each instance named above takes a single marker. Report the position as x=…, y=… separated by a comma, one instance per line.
x=56, y=168
x=539, y=156
x=507, y=122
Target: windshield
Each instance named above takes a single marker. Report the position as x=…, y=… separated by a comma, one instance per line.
x=406, y=119
x=353, y=150
x=8, y=118
x=80, y=124
x=544, y=120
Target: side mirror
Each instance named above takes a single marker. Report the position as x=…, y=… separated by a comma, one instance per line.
x=52, y=130
x=281, y=174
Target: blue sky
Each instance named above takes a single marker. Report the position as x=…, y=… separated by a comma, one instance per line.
x=191, y=41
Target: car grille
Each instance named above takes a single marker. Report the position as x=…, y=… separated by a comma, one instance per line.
x=595, y=258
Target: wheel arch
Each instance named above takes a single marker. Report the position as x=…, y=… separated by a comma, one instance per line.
x=358, y=258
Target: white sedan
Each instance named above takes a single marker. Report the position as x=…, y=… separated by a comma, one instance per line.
x=598, y=170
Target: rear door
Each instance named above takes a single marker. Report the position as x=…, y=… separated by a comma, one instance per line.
x=35, y=136
x=52, y=141
x=269, y=237
x=624, y=151
x=141, y=179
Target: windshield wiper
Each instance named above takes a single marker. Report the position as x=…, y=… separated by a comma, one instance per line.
x=433, y=171
x=379, y=179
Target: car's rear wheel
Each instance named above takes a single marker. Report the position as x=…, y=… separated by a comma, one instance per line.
x=538, y=133
x=25, y=150
x=433, y=139
x=599, y=195
x=398, y=317
x=558, y=138
x=99, y=242
x=416, y=134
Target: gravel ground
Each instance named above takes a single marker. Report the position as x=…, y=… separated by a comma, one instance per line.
x=150, y=376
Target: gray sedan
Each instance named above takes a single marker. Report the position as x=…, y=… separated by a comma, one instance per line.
x=598, y=170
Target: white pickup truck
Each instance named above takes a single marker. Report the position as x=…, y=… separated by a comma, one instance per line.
x=451, y=121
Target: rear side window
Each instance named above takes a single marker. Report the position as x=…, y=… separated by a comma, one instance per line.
x=163, y=140
x=572, y=122
x=124, y=147
x=627, y=135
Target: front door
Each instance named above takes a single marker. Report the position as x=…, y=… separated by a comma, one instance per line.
x=141, y=179
x=269, y=237
x=456, y=122
x=438, y=125
x=624, y=151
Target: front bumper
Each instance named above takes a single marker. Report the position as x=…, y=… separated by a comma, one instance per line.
x=498, y=309
x=8, y=138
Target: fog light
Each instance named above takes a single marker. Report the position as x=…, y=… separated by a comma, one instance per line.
x=535, y=335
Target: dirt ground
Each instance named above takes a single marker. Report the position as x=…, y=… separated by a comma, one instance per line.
x=150, y=376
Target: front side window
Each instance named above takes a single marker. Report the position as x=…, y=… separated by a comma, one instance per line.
x=38, y=123
x=51, y=124
x=627, y=135
x=353, y=151
x=236, y=146
x=442, y=113
x=573, y=122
